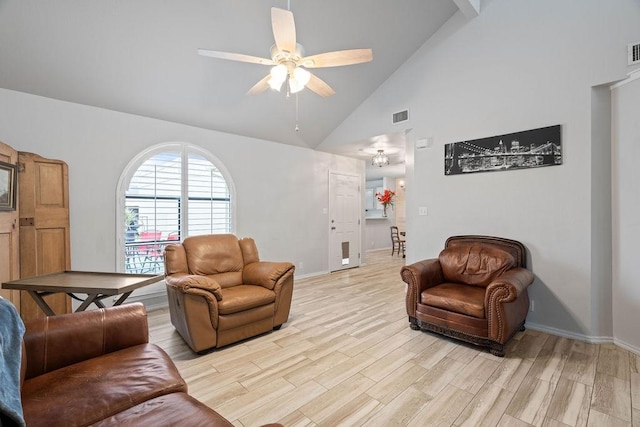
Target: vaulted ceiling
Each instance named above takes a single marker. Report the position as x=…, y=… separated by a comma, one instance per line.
x=140, y=57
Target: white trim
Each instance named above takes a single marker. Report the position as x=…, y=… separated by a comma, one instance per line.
x=633, y=75
x=627, y=346
x=583, y=337
x=158, y=300
x=567, y=334
x=309, y=275
x=152, y=301
x=469, y=8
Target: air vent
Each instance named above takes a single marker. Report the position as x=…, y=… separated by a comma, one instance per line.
x=634, y=53
x=400, y=116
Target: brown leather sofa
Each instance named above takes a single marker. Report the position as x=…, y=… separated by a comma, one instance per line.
x=476, y=291
x=98, y=368
x=220, y=292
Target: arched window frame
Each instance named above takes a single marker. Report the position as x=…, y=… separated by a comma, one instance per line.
x=127, y=174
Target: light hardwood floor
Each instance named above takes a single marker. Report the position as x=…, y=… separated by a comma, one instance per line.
x=347, y=357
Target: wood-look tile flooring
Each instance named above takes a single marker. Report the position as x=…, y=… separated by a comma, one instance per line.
x=347, y=357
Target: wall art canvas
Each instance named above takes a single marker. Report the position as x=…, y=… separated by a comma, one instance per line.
x=8, y=187
x=521, y=150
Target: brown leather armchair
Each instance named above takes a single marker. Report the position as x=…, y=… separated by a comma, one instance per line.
x=220, y=292
x=476, y=291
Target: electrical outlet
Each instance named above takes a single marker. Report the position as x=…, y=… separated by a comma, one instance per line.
x=301, y=265
x=422, y=210
x=532, y=306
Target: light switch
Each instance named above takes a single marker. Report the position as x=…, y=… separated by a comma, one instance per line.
x=422, y=210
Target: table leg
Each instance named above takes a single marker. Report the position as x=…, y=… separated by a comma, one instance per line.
x=37, y=297
x=91, y=298
x=122, y=298
x=97, y=300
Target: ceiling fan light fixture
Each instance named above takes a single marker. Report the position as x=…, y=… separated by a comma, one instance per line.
x=278, y=76
x=287, y=56
x=380, y=159
x=298, y=79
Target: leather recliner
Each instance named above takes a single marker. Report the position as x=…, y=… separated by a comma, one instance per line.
x=220, y=292
x=476, y=291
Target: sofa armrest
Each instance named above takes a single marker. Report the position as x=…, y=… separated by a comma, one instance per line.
x=57, y=341
x=509, y=286
x=187, y=282
x=506, y=303
x=264, y=273
x=418, y=277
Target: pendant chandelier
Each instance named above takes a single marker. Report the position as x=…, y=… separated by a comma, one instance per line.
x=380, y=159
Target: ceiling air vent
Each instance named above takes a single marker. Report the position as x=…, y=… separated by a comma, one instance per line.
x=400, y=116
x=634, y=53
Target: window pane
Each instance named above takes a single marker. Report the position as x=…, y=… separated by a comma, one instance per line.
x=154, y=207
x=209, y=211
x=158, y=176
x=205, y=180
x=208, y=217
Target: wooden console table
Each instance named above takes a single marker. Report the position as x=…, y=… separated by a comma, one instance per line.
x=97, y=286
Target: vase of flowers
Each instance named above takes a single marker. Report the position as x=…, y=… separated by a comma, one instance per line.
x=386, y=198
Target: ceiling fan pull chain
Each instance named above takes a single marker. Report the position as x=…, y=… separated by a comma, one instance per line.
x=297, y=125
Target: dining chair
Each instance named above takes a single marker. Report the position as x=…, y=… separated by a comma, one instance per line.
x=397, y=243
x=151, y=250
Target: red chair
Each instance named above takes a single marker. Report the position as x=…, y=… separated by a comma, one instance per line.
x=152, y=252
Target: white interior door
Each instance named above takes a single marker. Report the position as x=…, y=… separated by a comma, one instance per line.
x=344, y=221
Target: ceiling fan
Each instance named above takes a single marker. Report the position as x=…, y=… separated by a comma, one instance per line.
x=289, y=62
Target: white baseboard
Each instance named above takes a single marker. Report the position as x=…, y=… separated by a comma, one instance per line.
x=583, y=337
x=308, y=275
x=151, y=300
x=158, y=300
x=626, y=346
x=567, y=334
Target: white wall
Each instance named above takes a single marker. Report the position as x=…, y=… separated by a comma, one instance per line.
x=626, y=212
x=519, y=65
x=281, y=190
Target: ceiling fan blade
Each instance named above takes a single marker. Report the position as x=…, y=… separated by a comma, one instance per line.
x=318, y=86
x=338, y=58
x=284, y=29
x=235, y=57
x=261, y=86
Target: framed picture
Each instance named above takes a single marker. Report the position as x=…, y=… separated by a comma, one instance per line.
x=521, y=150
x=8, y=187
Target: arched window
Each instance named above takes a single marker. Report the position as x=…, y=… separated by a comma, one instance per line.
x=167, y=193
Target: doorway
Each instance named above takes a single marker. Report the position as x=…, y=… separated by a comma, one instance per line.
x=344, y=221
x=625, y=209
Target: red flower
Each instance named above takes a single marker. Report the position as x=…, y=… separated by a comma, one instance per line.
x=386, y=197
